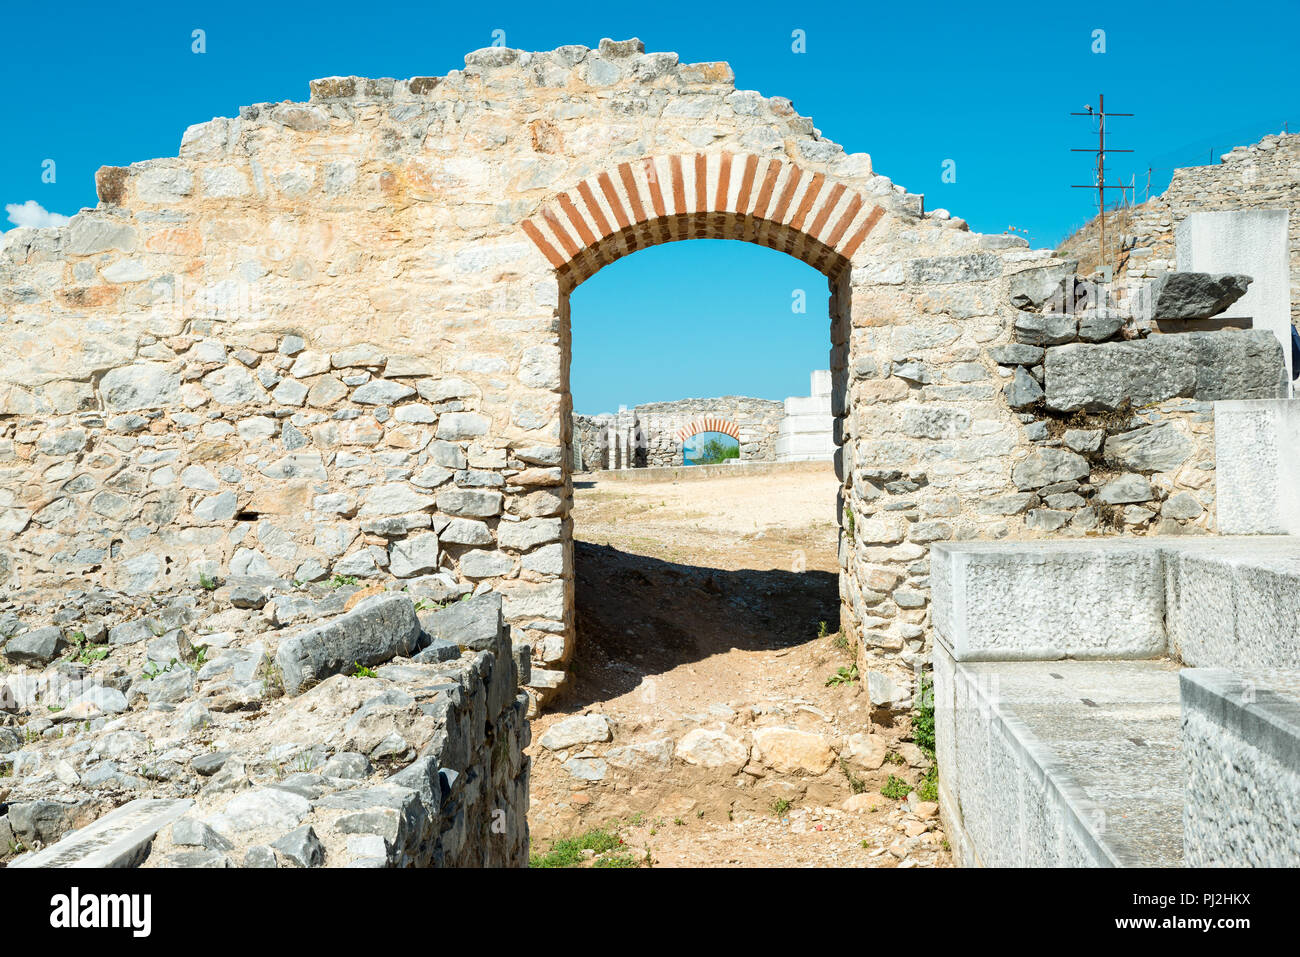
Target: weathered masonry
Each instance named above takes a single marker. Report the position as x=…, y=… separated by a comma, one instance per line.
x=332, y=339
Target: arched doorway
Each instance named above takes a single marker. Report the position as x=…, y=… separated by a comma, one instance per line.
x=669, y=198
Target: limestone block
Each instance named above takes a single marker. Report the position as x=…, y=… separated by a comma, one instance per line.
x=1045, y=600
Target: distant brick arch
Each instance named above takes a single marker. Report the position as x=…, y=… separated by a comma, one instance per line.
x=709, y=423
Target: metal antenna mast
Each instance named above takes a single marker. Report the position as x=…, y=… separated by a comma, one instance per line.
x=1100, y=185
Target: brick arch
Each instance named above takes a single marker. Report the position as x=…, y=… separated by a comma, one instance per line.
x=656, y=199
x=709, y=423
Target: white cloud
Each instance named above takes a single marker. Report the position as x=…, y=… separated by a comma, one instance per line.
x=32, y=213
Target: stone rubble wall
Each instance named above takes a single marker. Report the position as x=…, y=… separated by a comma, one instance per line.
x=1262, y=175
x=417, y=762
x=652, y=431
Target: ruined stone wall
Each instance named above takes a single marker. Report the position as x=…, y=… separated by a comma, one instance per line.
x=658, y=430
x=332, y=338
x=1263, y=175
x=375, y=733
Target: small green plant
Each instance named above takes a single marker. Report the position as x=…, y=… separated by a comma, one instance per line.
x=569, y=852
x=200, y=657
x=893, y=757
x=821, y=629
x=338, y=581
x=56, y=708
x=896, y=788
x=780, y=806
x=928, y=789
x=856, y=784
x=679, y=822
x=84, y=651
x=848, y=520
x=361, y=671
x=923, y=718
x=207, y=582
x=845, y=675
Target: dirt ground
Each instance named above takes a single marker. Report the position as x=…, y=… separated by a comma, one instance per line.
x=713, y=604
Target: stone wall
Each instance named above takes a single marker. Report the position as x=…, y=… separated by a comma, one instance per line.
x=331, y=339
x=1263, y=175
x=654, y=434
x=374, y=732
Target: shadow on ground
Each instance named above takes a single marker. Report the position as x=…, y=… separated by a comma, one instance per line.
x=640, y=616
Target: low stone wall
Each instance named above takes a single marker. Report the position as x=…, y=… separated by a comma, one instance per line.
x=1242, y=742
x=376, y=731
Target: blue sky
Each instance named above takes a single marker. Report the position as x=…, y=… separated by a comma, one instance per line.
x=988, y=85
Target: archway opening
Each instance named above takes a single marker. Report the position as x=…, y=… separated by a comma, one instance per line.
x=694, y=596
x=710, y=448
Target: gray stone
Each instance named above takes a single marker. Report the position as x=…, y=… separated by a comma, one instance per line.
x=1047, y=519
x=945, y=269
x=473, y=623
x=416, y=555
x=1182, y=506
x=1084, y=440
x=470, y=503
x=143, y=386
x=1016, y=354
x=575, y=730
x=247, y=596
x=87, y=235
x=381, y=392
x=265, y=807
x=1041, y=285
x=586, y=768
x=347, y=764
x=1125, y=489
x=934, y=422
x=482, y=563
x=1023, y=390
x=233, y=385
x=466, y=531
x=1045, y=466
x=302, y=846
x=1196, y=295
x=1045, y=329
x=167, y=687
x=37, y=647
x=654, y=756
x=377, y=630
x=1098, y=325
x=260, y=855
x=1231, y=364
x=209, y=764
x=1152, y=448
x=884, y=692
x=462, y=425
x=529, y=534
x=217, y=508
x=438, y=650
x=191, y=832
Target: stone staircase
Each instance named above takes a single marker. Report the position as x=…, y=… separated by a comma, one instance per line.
x=1126, y=702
